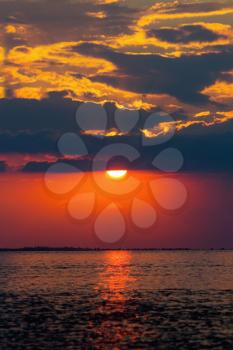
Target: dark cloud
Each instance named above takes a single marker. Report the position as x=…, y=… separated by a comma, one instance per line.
x=11, y=41
x=37, y=167
x=3, y=166
x=200, y=6
x=52, y=113
x=45, y=142
x=26, y=142
x=201, y=153
x=185, y=34
x=63, y=20
x=34, y=127
x=208, y=151
x=182, y=77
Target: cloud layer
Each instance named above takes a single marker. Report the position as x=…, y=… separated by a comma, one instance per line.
x=142, y=55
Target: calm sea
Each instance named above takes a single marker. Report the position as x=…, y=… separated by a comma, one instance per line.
x=116, y=300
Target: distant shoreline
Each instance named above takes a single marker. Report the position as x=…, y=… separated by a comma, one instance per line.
x=78, y=249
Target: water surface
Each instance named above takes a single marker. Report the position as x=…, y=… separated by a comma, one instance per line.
x=116, y=300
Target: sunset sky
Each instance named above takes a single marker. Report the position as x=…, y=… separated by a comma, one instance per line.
x=139, y=56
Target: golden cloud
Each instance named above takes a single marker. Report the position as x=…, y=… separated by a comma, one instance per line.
x=143, y=43
x=99, y=14
x=2, y=92
x=202, y=114
x=162, y=12
x=80, y=89
x=58, y=54
x=10, y=29
x=163, y=128
x=220, y=92
x=33, y=93
x=106, y=133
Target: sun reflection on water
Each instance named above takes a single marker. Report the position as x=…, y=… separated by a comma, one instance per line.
x=116, y=279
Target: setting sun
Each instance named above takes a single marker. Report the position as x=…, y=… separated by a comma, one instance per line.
x=116, y=174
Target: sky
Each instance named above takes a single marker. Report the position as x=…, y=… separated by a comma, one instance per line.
x=170, y=62
x=169, y=56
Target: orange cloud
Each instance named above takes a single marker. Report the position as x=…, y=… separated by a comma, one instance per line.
x=41, y=82
x=220, y=91
x=162, y=12
x=2, y=55
x=29, y=93
x=36, y=71
x=10, y=29
x=105, y=2
x=58, y=54
x=165, y=127
x=141, y=42
x=202, y=114
x=162, y=128
x=99, y=14
x=106, y=133
x=2, y=92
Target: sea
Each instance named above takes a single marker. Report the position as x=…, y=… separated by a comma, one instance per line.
x=116, y=299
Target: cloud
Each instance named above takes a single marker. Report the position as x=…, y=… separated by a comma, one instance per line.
x=38, y=167
x=204, y=119
x=177, y=40
x=205, y=138
x=106, y=133
x=185, y=34
x=23, y=133
x=220, y=92
x=28, y=143
x=145, y=55
x=183, y=77
x=202, y=151
x=65, y=20
x=52, y=114
x=3, y=166
x=132, y=69
x=173, y=10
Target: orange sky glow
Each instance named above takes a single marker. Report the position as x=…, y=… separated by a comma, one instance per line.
x=100, y=73
x=42, y=219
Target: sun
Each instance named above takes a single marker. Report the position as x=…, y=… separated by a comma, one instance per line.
x=116, y=174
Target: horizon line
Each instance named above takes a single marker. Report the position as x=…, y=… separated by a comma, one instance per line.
x=67, y=249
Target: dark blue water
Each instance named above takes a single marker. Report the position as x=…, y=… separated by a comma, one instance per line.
x=116, y=300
